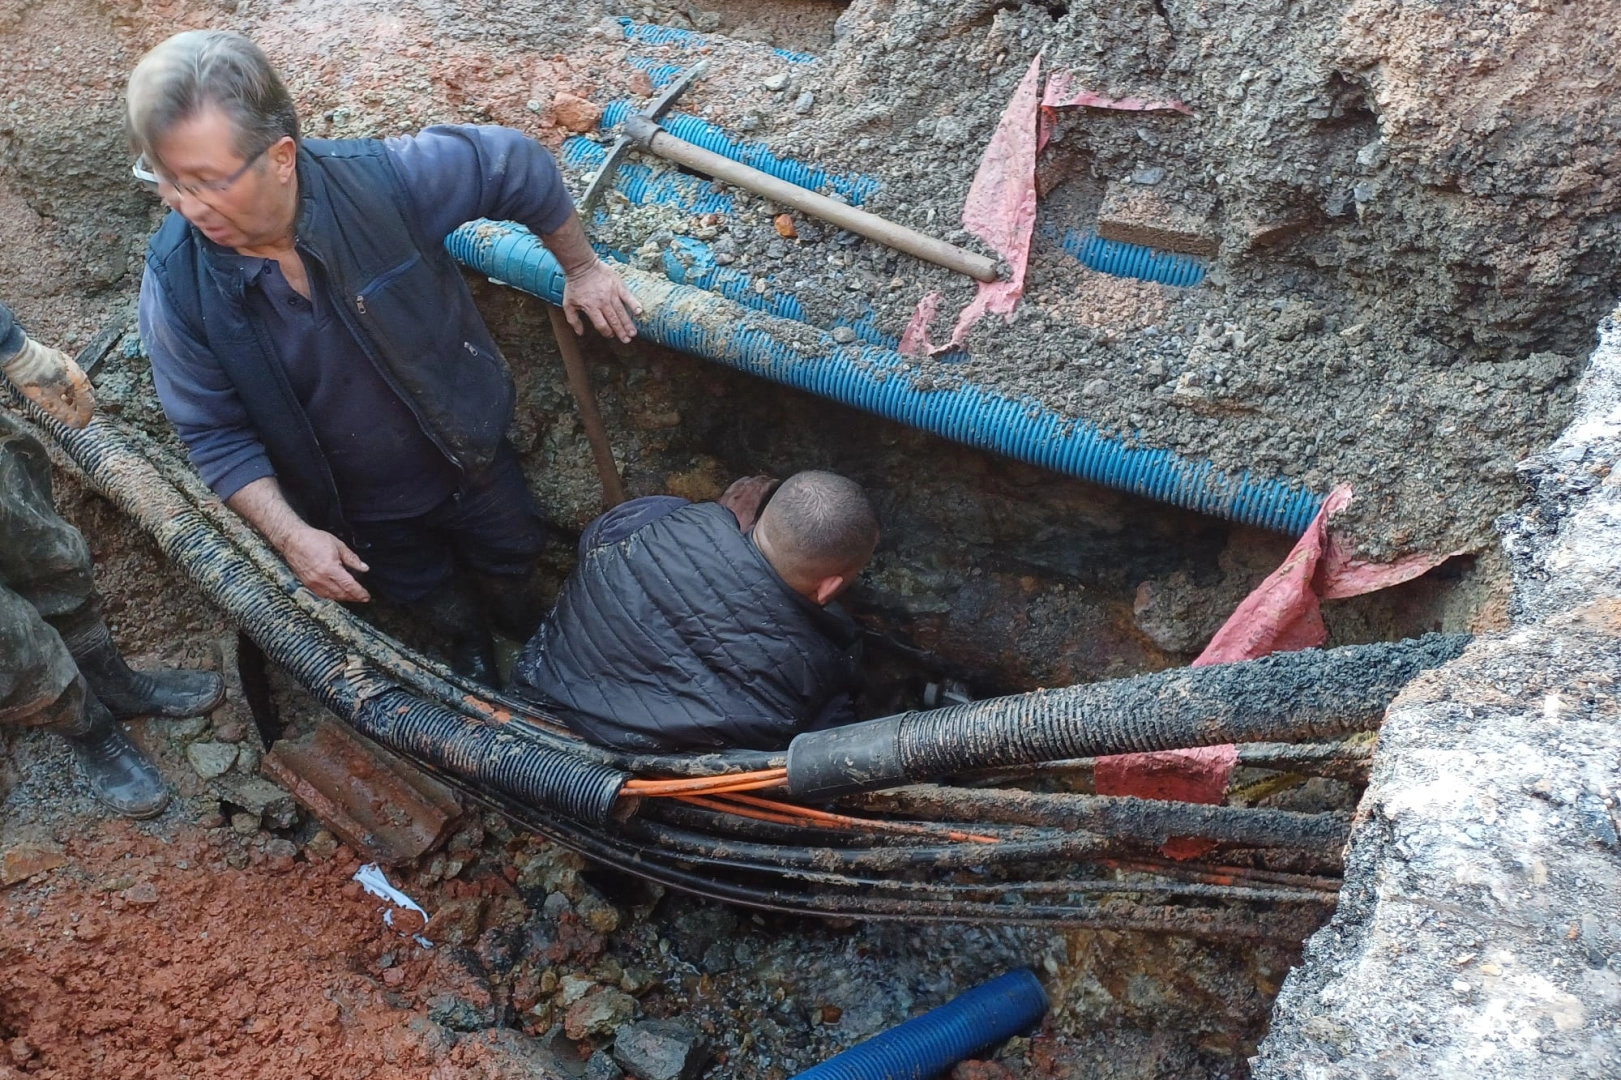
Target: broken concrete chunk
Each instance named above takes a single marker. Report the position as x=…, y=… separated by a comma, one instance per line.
x=211, y=760
x=659, y=1050
x=1134, y=214
x=262, y=799
x=776, y=82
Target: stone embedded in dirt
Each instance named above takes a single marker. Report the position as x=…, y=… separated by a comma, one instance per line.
x=321, y=847
x=259, y=797
x=211, y=760
x=602, y=1066
x=575, y=113
x=784, y=224
x=981, y=1070
x=574, y=987
x=20, y=1051
x=599, y=1013
x=244, y=823
x=597, y=913
x=458, y=1013
x=23, y=859
x=230, y=728
x=776, y=82
x=143, y=893
x=804, y=102
x=659, y=1050
x=456, y=922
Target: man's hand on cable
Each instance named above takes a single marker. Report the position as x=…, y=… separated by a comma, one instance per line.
x=602, y=296
x=322, y=562
x=746, y=496
x=48, y=378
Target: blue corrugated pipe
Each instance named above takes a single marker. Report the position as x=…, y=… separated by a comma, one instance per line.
x=1134, y=260
x=880, y=381
x=928, y=1045
x=653, y=34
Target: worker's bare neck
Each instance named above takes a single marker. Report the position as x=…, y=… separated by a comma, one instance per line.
x=276, y=239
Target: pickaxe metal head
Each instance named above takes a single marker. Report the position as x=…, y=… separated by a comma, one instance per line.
x=660, y=105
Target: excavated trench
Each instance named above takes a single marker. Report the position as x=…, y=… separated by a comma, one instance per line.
x=1392, y=254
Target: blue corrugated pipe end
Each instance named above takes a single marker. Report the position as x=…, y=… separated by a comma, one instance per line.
x=928, y=1045
x=879, y=380
x=1134, y=260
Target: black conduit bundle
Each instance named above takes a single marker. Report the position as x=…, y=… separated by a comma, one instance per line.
x=971, y=855
x=1311, y=694
x=498, y=756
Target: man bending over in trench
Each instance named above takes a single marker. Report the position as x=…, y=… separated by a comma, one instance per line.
x=59, y=668
x=691, y=625
x=318, y=350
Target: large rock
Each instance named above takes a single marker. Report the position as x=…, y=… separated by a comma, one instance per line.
x=598, y=1013
x=659, y=1050
x=210, y=760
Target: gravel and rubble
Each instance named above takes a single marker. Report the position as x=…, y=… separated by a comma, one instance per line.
x=1477, y=934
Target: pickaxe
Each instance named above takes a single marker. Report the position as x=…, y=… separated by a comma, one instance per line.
x=623, y=145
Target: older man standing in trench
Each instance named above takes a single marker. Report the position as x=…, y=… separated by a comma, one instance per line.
x=317, y=349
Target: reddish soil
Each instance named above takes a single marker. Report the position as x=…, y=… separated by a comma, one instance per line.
x=145, y=957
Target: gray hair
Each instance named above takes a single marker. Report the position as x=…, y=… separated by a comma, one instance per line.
x=822, y=523
x=200, y=68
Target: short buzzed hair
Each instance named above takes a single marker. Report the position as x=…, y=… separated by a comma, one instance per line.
x=821, y=523
x=200, y=68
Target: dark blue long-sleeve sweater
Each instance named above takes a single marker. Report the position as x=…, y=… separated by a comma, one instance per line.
x=383, y=465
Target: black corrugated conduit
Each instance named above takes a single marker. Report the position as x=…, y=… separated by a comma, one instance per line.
x=1311, y=694
x=766, y=852
x=498, y=755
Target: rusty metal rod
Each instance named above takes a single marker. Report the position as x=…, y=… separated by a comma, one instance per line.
x=579, y=381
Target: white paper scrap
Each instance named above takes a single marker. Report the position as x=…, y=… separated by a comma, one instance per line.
x=374, y=881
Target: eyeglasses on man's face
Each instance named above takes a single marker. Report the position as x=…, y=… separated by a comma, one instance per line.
x=201, y=189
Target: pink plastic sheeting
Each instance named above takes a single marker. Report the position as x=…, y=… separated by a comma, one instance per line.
x=1283, y=614
x=915, y=338
x=1000, y=210
x=1001, y=204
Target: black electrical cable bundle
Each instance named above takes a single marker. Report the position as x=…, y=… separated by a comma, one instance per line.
x=920, y=853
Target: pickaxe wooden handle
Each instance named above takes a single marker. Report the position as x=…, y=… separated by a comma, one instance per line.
x=648, y=135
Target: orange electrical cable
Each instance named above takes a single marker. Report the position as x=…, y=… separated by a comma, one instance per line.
x=846, y=821
x=707, y=785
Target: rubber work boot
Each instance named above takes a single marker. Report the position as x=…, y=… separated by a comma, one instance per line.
x=174, y=693
x=472, y=653
x=122, y=777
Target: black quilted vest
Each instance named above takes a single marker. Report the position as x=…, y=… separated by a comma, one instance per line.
x=683, y=636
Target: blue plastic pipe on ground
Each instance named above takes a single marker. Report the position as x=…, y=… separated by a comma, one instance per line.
x=881, y=381
x=928, y=1045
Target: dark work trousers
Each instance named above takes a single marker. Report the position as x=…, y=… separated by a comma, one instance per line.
x=47, y=594
x=491, y=528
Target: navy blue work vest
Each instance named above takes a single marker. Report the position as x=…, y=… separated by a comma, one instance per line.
x=399, y=292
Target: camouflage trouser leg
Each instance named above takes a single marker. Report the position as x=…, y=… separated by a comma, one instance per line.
x=47, y=592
